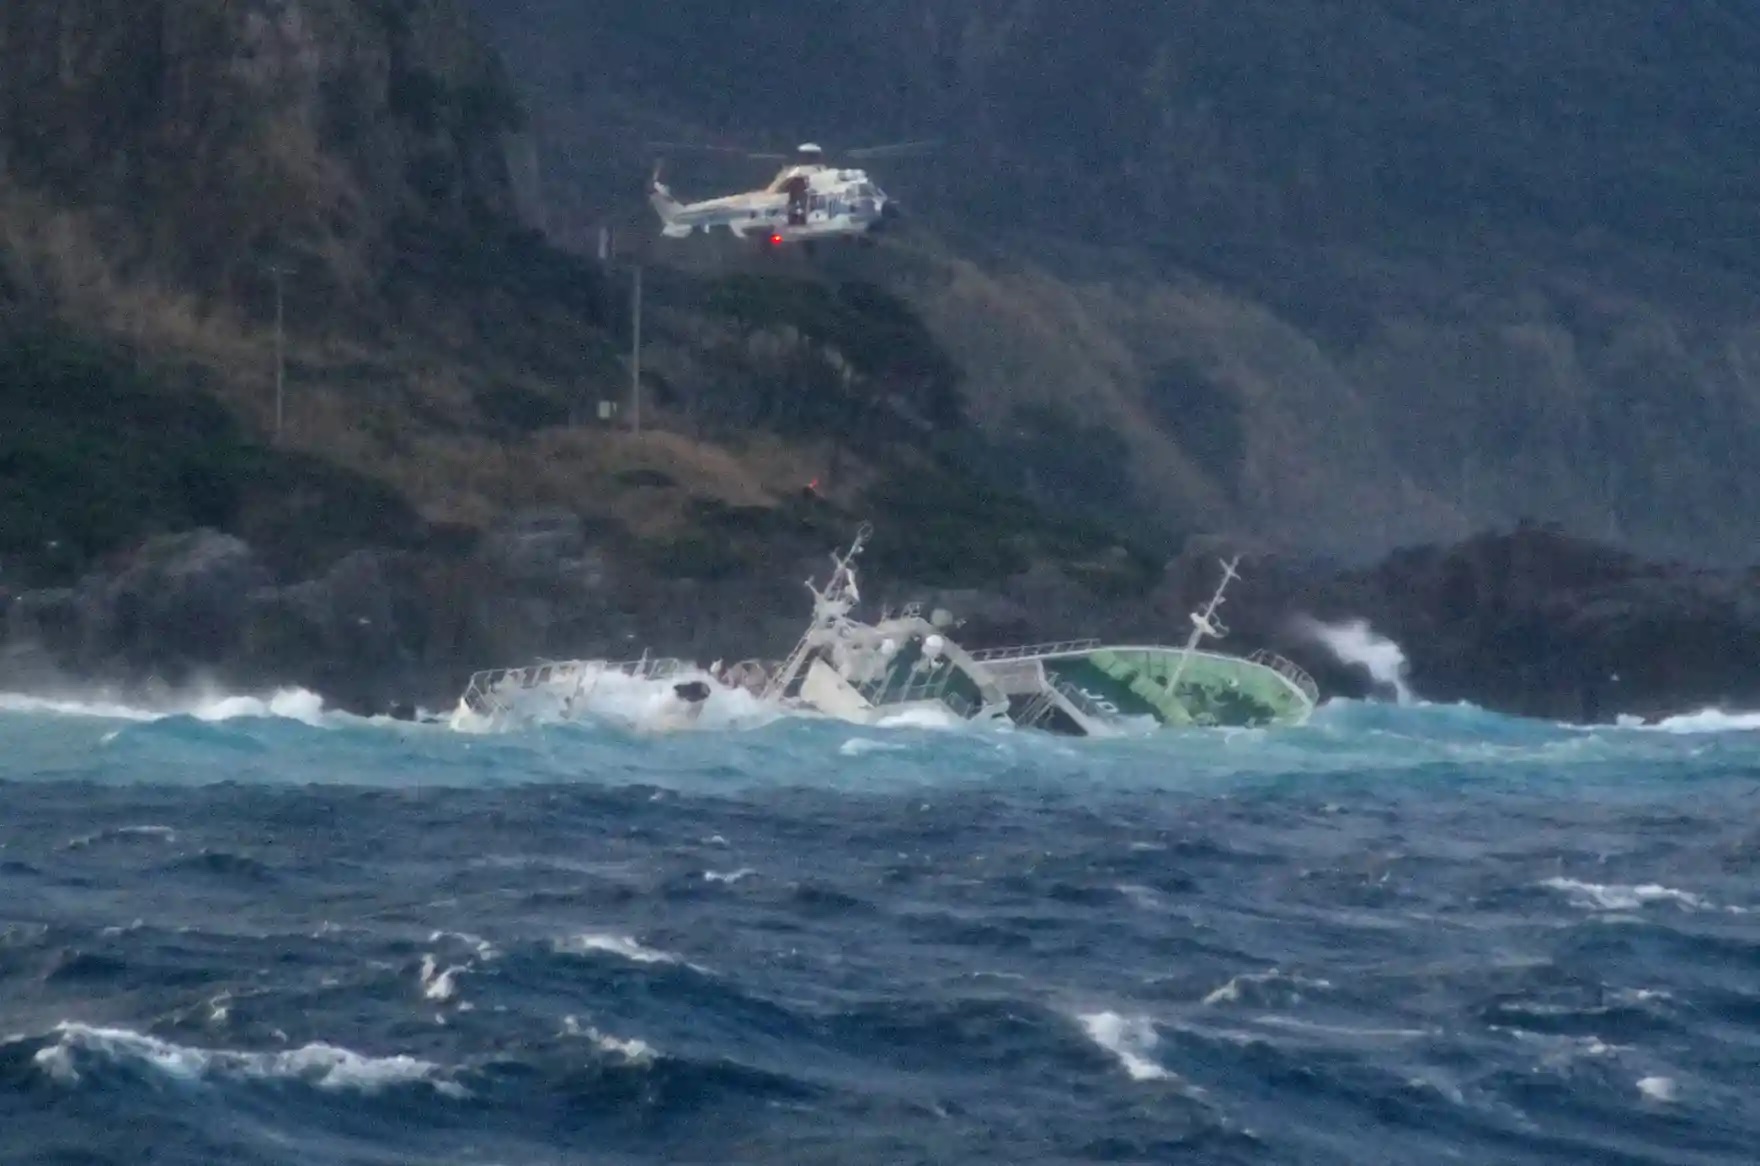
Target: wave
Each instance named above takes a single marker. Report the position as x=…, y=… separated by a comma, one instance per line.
x=1710, y=720
x=288, y=736
x=633, y=1050
x=1130, y=1039
x=1358, y=644
x=77, y=1050
x=208, y=705
x=635, y=703
x=617, y=945
x=1620, y=897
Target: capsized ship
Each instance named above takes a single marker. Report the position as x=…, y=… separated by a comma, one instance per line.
x=904, y=666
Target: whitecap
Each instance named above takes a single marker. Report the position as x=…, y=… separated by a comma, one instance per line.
x=108, y=710
x=297, y=704
x=1129, y=1038
x=1710, y=720
x=1230, y=993
x=485, y=950
x=1663, y=1089
x=734, y=876
x=440, y=986
x=633, y=1050
x=1624, y=897
x=162, y=833
x=293, y=704
x=1141, y=896
x=858, y=746
x=623, y=946
x=323, y=1066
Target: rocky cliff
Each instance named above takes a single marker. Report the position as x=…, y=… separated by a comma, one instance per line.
x=202, y=200
x=205, y=136
x=321, y=215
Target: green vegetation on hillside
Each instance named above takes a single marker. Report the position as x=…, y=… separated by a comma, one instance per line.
x=945, y=526
x=866, y=368
x=444, y=361
x=1370, y=273
x=97, y=453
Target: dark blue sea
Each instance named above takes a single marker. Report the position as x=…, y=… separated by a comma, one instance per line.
x=259, y=933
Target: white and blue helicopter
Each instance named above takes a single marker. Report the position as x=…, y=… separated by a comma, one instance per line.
x=808, y=200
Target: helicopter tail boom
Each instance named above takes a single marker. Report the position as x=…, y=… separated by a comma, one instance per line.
x=666, y=207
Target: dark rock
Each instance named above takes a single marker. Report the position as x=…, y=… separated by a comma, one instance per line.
x=49, y=618
x=545, y=547
x=1532, y=622
x=177, y=605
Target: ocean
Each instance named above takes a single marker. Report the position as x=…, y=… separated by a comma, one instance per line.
x=253, y=931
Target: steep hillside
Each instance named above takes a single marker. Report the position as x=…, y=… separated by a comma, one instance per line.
x=1345, y=277
x=177, y=174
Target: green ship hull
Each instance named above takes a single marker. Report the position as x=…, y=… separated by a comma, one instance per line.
x=1174, y=687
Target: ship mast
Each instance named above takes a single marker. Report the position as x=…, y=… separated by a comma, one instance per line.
x=1205, y=623
x=831, y=607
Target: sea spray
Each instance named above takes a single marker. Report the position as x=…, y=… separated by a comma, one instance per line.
x=1357, y=643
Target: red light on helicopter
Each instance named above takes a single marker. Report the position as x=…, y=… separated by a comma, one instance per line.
x=776, y=240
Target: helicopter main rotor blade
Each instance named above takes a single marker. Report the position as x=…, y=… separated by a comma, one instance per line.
x=729, y=151
x=894, y=149
x=697, y=148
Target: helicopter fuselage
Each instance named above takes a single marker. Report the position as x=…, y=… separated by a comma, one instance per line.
x=801, y=204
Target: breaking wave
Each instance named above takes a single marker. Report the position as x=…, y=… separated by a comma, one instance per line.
x=293, y=704
x=1355, y=642
x=79, y=1050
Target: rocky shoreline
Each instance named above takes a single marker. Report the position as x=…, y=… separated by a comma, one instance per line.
x=1531, y=622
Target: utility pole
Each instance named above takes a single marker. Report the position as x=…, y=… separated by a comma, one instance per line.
x=280, y=270
x=635, y=378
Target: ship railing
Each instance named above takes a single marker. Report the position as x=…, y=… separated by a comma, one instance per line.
x=1088, y=705
x=484, y=692
x=1037, y=709
x=934, y=687
x=779, y=680
x=1022, y=651
x=1290, y=671
x=930, y=687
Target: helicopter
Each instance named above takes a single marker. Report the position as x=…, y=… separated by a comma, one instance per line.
x=808, y=200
